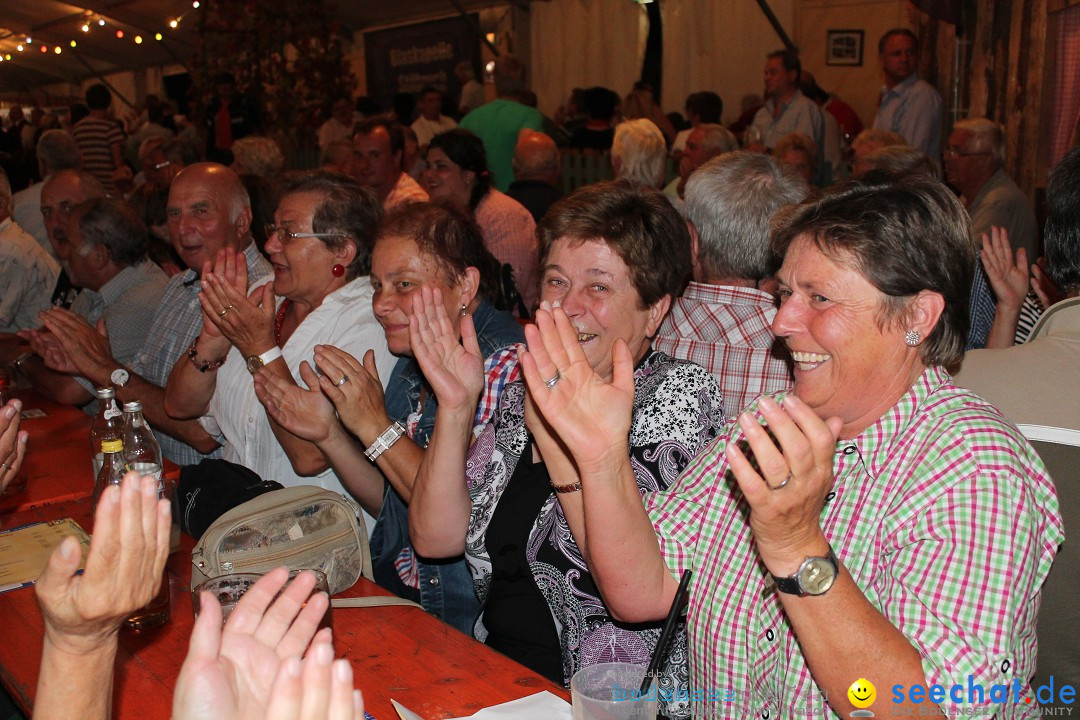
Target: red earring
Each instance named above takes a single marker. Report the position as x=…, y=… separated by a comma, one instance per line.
x=338, y=270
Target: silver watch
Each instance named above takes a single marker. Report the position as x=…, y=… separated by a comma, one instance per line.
x=814, y=577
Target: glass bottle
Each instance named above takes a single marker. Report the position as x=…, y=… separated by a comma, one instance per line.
x=112, y=467
x=142, y=454
x=108, y=425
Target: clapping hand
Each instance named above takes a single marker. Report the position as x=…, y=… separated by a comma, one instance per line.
x=453, y=368
x=12, y=442
x=246, y=320
x=82, y=349
x=1009, y=279
x=355, y=389
x=306, y=413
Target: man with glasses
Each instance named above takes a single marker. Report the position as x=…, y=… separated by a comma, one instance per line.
x=974, y=167
x=909, y=105
x=208, y=210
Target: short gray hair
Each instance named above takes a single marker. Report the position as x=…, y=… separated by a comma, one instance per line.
x=114, y=225
x=731, y=200
x=986, y=135
x=901, y=161
x=57, y=150
x=641, y=150
x=260, y=155
x=717, y=138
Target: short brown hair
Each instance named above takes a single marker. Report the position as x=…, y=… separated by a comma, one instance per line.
x=638, y=223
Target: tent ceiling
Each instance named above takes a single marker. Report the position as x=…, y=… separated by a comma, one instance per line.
x=56, y=24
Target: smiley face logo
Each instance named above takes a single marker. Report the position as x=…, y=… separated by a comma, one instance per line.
x=862, y=693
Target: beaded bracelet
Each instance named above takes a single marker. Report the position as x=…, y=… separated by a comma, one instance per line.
x=202, y=365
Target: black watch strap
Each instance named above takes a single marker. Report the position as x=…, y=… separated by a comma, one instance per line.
x=791, y=584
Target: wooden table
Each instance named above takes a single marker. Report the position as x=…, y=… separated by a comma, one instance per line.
x=396, y=652
x=57, y=467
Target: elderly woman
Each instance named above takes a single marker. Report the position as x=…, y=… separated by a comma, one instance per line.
x=320, y=249
x=256, y=155
x=419, y=246
x=457, y=174
x=891, y=527
x=639, y=153
x=797, y=152
x=613, y=256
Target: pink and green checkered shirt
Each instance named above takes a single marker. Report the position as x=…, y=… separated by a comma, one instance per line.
x=942, y=513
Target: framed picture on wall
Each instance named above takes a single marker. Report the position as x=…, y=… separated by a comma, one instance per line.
x=844, y=47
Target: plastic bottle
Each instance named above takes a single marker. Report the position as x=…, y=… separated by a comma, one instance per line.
x=108, y=425
x=142, y=453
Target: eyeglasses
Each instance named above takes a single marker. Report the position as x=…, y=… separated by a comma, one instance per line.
x=162, y=165
x=957, y=152
x=286, y=236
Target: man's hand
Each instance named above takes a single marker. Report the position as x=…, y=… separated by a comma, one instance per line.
x=86, y=349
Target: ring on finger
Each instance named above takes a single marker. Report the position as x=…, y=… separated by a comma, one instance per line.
x=781, y=485
x=344, y=379
x=5, y=466
x=222, y=313
x=554, y=379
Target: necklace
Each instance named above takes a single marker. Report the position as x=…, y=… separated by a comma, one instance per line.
x=280, y=320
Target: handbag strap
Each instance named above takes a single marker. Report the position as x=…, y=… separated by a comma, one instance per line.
x=375, y=601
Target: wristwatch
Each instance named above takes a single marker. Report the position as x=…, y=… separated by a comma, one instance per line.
x=119, y=377
x=254, y=362
x=814, y=577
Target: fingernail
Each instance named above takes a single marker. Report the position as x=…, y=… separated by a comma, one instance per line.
x=66, y=551
x=358, y=701
x=342, y=670
x=9, y=411
x=792, y=401
x=767, y=403
x=292, y=666
x=324, y=653
x=113, y=491
x=520, y=347
x=556, y=303
x=545, y=306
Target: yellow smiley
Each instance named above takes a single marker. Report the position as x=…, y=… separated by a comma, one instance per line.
x=862, y=693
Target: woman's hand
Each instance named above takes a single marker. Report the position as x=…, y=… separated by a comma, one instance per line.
x=788, y=490
x=83, y=611
x=307, y=414
x=230, y=673
x=1010, y=280
x=315, y=689
x=12, y=442
x=246, y=321
x=1048, y=292
x=556, y=457
x=454, y=369
x=590, y=416
x=355, y=389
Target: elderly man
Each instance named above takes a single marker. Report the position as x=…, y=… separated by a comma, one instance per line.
x=974, y=159
x=1030, y=384
x=909, y=105
x=59, y=194
x=378, y=146
x=27, y=272
x=498, y=122
x=56, y=150
x=431, y=121
x=704, y=142
x=723, y=322
x=208, y=211
x=786, y=109
x=537, y=168
x=107, y=245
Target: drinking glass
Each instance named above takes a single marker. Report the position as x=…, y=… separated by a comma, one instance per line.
x=610, y=691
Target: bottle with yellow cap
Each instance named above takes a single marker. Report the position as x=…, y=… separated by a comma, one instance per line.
x=112, y=467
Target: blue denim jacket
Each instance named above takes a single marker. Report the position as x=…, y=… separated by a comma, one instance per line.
x=446, y=586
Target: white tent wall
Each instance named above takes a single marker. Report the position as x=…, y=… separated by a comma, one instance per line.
x=582, y=43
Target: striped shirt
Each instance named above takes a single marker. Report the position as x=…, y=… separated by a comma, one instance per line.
x=942, y=513
x=96, y=138
x=728, y=331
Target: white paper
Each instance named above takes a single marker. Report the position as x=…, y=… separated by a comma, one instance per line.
x=541, y=706
x=403, y=712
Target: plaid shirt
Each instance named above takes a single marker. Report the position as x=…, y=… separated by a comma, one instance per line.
x=728, y=331
x=941, y=512
x=510, y=235
x=405, y=191
x=176, y=323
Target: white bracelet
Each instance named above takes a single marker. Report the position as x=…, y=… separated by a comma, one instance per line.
x=385, y=441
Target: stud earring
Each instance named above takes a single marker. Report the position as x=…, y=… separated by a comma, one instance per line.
x=463, y=311
x=338, y=270
x=912, y=338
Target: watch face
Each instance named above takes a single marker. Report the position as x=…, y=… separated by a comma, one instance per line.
x=817, y=576
x=254, y=363
x=119, y=377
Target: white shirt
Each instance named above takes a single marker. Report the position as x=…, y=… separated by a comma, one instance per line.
x=426, y=129
x=346, y=321
x=26, y=211
x=27, y=278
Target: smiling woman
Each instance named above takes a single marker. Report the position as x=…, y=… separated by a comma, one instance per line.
x=613, y=255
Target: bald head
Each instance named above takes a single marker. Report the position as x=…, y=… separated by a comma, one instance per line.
x=208, y=210
x=536, y=157
x=59, y=194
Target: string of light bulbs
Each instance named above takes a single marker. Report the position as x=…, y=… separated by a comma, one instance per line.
x=90, y=22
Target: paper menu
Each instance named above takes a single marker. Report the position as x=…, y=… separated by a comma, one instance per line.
x=25, y=550
x=540, y=706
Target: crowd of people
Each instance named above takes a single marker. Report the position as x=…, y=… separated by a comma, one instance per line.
x=751, y=366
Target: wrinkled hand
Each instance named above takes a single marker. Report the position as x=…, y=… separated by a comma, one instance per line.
x=12, y=442
x=246, y=320
x=229, y=673
x=306, y=413
x=232, y=268
x=590, y=416
x=1008, y=279
x=123, y=569
x=1048, y=291
x=85, y=348
x=454, y=369
x=786, y=520
x=315, y=689
x=40, y=341
x=359, y=401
